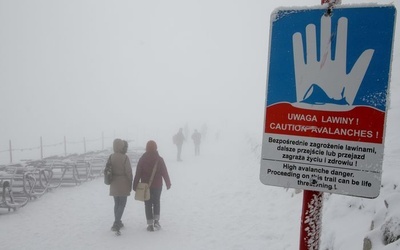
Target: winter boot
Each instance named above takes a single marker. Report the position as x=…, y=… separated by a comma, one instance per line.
x=120, y=224
x=157, y=225
x=150, y=225
x=115, y=227
x=150, y=228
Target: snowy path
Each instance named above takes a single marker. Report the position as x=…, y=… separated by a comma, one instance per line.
x=206, y=208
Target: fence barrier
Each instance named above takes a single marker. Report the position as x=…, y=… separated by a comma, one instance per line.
x=22, y=182
x=65, y=143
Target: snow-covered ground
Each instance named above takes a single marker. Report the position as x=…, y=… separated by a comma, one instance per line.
x=216, y=202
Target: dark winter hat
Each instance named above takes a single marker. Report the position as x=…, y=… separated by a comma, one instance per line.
x=151, y=146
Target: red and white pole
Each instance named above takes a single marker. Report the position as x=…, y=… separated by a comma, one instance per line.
x=311, y=217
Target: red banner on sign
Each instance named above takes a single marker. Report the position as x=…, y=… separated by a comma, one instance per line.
x=363, y=124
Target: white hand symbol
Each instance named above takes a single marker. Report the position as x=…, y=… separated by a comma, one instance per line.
x=330, y=75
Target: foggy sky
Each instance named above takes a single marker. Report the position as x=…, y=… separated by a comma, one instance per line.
x=79, y=68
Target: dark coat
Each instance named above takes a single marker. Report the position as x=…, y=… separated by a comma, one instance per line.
x=145, y=168
x=196, y=137
x=121, y=184
x=179, y=138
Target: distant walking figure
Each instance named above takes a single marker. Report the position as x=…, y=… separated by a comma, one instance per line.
x=147, y=162
x=196, y=137
x=178, y=141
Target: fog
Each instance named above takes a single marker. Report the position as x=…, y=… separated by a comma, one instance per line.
x=137, y=70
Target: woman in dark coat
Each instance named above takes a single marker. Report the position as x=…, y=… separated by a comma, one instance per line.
x=144, y=170
x=121, y=184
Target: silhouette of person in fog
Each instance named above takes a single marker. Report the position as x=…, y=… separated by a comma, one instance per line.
x=178, y=141
x=196, y=137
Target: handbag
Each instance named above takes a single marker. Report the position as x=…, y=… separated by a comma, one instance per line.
x=142, y=192
x=108, y=172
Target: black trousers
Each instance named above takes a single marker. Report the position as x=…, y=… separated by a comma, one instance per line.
x=152, y=206
x=119, y=207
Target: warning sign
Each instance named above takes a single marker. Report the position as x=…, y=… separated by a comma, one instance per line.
x=326, y=100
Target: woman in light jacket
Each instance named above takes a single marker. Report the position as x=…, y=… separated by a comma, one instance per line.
x=121, y=184
x=144, y=170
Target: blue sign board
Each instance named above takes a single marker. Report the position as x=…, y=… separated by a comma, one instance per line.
x=326, y=100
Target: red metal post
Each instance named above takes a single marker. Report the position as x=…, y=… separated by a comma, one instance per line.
x=311, y=220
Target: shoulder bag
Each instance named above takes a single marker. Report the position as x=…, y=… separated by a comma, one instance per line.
x=108, y=172
x=143, y=189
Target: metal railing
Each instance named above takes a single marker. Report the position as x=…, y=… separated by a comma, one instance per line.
x=20, y=183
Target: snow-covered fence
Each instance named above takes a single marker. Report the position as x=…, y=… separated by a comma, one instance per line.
x=42, y=150
x=8, y=200
x=67, y=172
x=22, y=182
x=96, y=166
